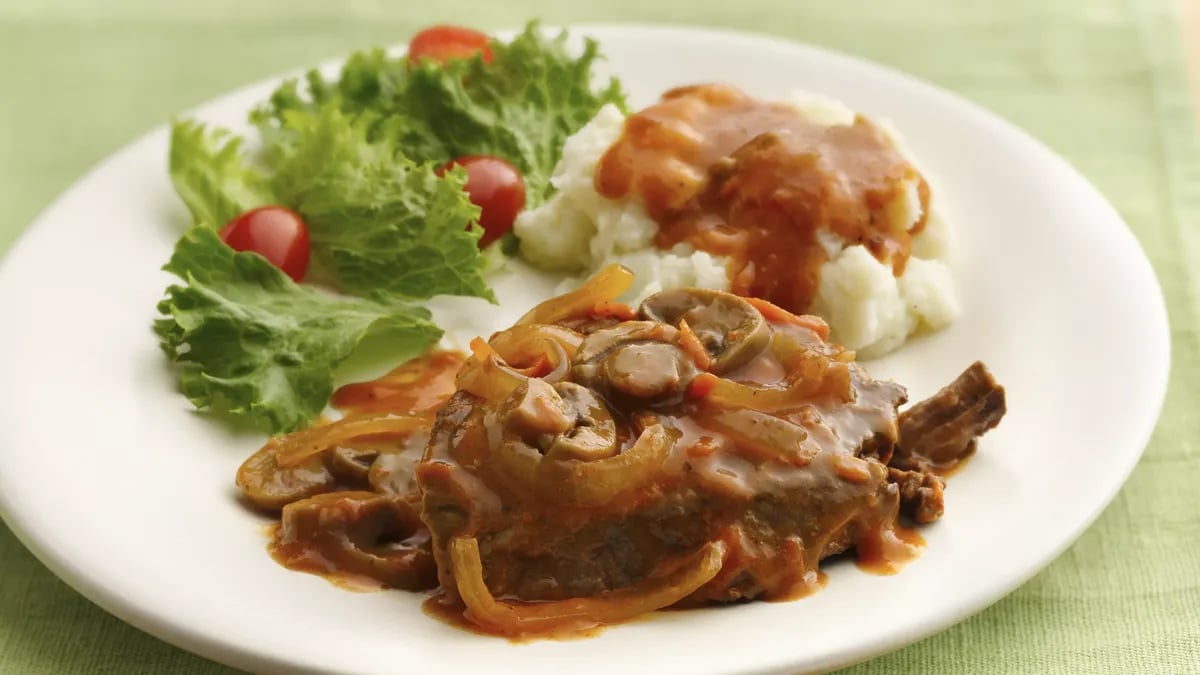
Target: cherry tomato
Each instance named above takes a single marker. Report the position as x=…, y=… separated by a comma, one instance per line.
x=497, y=188
x=443, y=43
x=274, y=232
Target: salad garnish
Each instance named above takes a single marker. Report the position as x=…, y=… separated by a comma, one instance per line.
x=381, y=177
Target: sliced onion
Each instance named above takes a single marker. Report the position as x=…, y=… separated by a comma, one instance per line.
x=524, y=343
x=582, y=483
x=815, y=371
x=490, y=379
x=763, y=435
x=607, y=284
x=295, y=448
x=481, y=350
x=810, y=374
x=493, y=380
x=721, y=392
x=809, y=359
x=559, y=360
x=515, y=619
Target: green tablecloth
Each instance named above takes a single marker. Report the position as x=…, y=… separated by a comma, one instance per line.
x=1101, y=81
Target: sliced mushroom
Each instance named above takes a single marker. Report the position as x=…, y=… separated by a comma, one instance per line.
x=535, y=408
x=636, y=358
x=731, y=329
x=647, y=369
x=599, y=343
x=350, y=464
x=593, y=434
x=360, y=533
x=271, y=487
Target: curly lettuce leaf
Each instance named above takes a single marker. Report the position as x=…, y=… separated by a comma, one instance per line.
x=356, y=157
x=521, y=106
x=212, y=175
x=252, y=343
x=378, y=221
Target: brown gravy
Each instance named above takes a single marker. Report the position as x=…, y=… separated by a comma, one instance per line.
x=417, y=386
x=772, y=466
x=780, y=490
x=756, y=181
x=304, y=558
x=453, y=612
x=886, y=551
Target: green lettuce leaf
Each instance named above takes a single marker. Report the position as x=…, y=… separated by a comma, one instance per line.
x=379, y=222
x=356, y=157
x=521, y=106
x=252, y=343
x=211, y=173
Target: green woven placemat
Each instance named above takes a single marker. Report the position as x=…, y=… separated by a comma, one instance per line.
x=1101, y=81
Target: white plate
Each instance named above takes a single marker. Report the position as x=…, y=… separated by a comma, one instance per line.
x=126, y=495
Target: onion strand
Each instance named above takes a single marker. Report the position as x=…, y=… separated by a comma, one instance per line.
x=607, y=284
x=296, y=447
x=513, y=619
x=583, y=483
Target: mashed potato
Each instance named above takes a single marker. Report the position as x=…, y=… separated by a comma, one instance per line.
x=868, y=309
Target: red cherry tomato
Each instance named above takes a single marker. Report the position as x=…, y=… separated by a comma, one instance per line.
x=497, y=188
x=274, y=232
x=443, y=43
